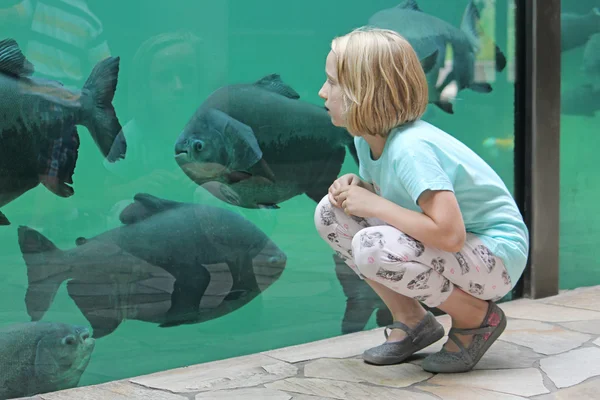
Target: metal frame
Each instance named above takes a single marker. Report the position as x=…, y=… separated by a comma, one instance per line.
x=537, y=141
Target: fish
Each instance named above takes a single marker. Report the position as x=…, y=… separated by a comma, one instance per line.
x=262, y=144
x=577, y=29
x=39, y=141
x=428, y=34
x=42, y=357
x=257, y=145
x=582, y=100
x=591, y=60
x=170, y=263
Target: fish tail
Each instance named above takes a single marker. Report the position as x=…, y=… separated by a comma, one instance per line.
x=45, y=272
x=99, y=114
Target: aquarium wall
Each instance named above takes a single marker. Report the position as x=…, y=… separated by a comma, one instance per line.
x=580, y=125
x=110, y=231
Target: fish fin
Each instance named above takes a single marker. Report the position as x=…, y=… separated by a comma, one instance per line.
x=144, y=206
x=244, y=150
x=409, y=5
x=98, y=308
x=3, y=219
x=469, y=23
x=353, y=152
x=274, y=84
x=190, y=285
x=445, y=106
x=57, y=165
x=45, y=271
x=243, y=277
x=269, y=206
x=238, y=176
x=429, y=62
x=500, y=59
x=12, y=59
x=261, y=172
x=481, y=87
x=384, y=317
x=356, y=315
x=100, y=117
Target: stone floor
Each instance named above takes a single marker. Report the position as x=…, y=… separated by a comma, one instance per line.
x=549, y=350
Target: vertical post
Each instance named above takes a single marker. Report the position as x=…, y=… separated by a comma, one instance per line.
x=537, y=141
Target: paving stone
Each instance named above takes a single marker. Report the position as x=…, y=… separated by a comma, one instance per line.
x=520, y=382
x=586, y=391
x=542, y=337
x=344, y=390
x=344, y=346
x=232, y=373
x=529, y=309
x=586, y=298
x=245, y=394
x=337, y=347
x=591, y=327
x=353, y=370
x=464, y=393
x=574, y=367
x=119, y=390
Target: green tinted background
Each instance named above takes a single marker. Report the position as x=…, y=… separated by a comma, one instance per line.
x=243, y=41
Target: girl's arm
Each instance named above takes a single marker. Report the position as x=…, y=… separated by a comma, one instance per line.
x=440, y=225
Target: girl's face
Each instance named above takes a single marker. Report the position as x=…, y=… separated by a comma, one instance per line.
x=174, y=77
x=331, y=92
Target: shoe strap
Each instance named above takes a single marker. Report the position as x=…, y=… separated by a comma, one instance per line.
x=397, y=325
x=409, y=332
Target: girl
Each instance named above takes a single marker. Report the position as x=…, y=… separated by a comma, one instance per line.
x=428, y=220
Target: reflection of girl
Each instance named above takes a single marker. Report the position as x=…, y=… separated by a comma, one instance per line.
x=430, y=221
x=166, y=83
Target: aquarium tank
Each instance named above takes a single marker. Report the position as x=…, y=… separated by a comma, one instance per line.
x=118, y=260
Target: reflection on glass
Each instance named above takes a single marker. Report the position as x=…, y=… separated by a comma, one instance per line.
x=227, y=150
x=580, y=118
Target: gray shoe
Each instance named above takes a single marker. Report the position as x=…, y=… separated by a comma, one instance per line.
x=427, y=332
x=464, y=360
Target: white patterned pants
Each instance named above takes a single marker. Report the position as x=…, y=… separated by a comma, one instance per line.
x=379, y=252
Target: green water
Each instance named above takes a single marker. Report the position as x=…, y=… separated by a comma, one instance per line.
x=580, y=186
x=240, y=42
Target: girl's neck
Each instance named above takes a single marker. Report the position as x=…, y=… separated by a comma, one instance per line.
x=377, y=144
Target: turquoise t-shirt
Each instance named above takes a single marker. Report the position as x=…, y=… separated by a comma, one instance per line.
x=418, y=156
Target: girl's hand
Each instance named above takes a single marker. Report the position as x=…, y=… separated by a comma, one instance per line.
x=341, y=183
x=358, y=201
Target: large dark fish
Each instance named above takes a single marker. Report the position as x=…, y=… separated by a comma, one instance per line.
x=591, y=60
x=38, y=137
x=576, y=29
x=42, y=357
x=171, y=263
x=583, y=100
x=262, y=144
x=428, y=34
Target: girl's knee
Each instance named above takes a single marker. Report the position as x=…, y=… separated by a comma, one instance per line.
x=324, y=216
x=368, y=248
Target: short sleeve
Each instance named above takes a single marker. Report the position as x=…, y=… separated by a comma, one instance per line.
x=420, y=169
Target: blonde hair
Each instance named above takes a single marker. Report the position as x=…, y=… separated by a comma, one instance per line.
x=383, y=83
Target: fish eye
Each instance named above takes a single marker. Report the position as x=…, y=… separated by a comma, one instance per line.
x=68, y=340
x=198, y=145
